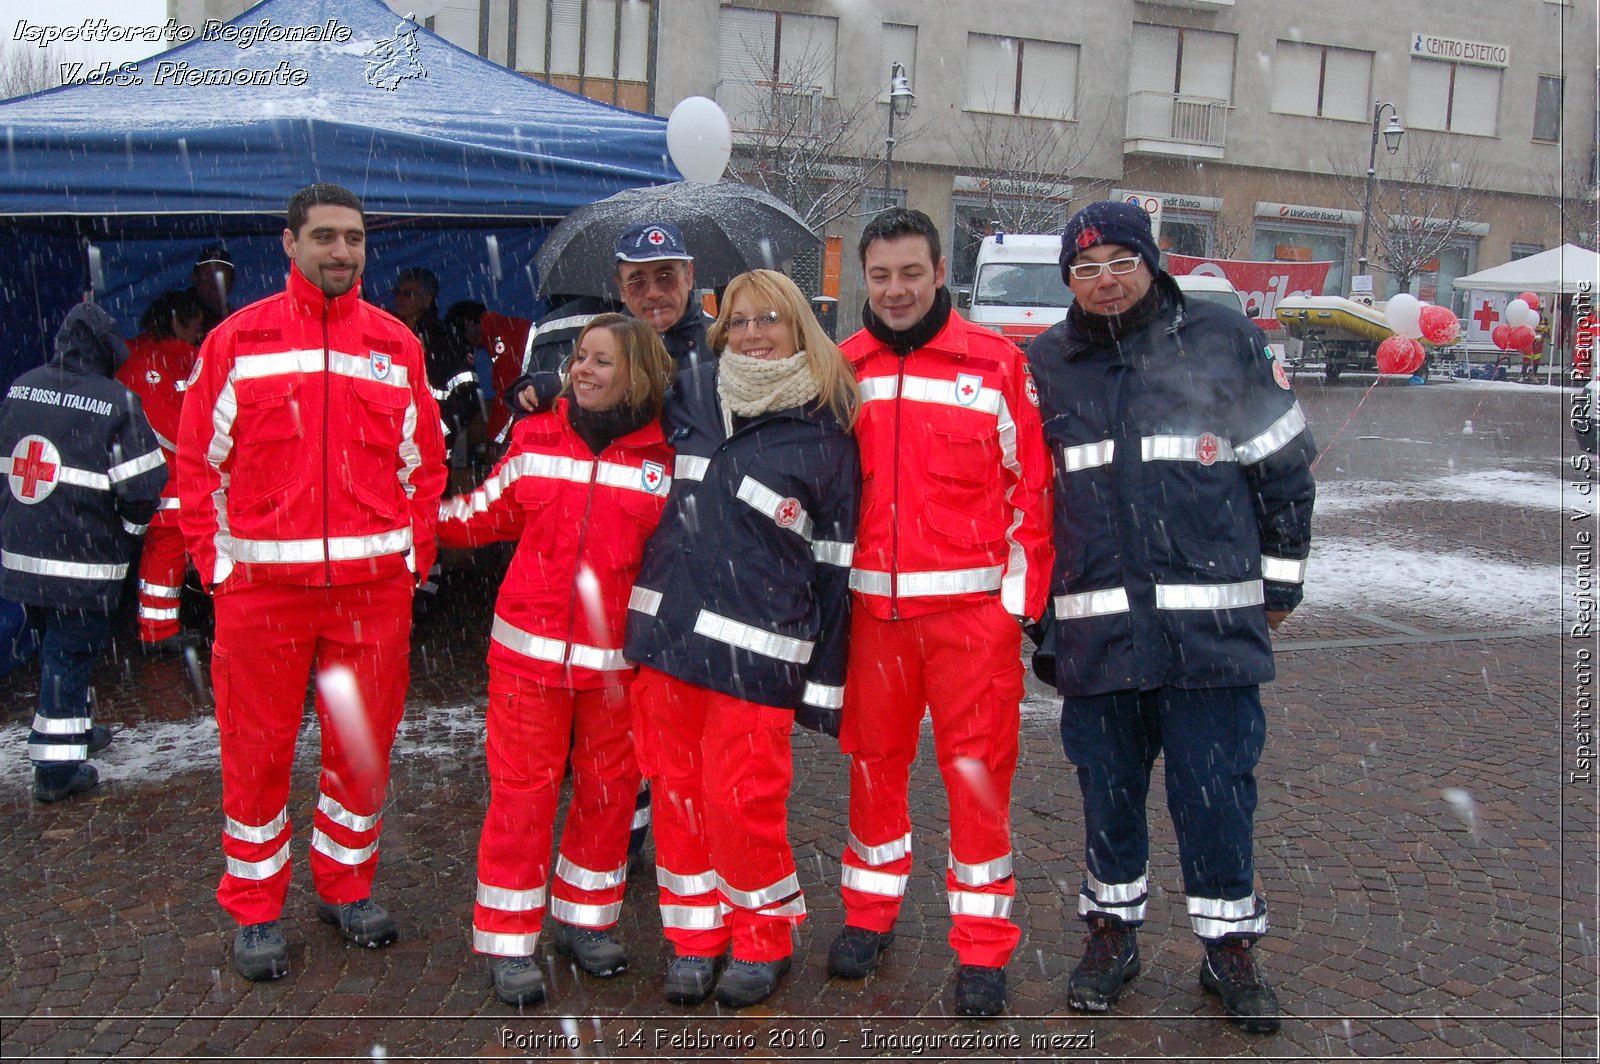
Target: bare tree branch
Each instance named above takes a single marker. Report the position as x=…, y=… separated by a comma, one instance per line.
x=1026, y=166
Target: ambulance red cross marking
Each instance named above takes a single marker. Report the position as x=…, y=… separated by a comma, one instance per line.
x=33, y=469
x=1484, y=316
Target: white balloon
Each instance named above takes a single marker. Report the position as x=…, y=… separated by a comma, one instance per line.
x=1404, y=313
x=1531, y=319
x=699, y=139
x=1516, y=313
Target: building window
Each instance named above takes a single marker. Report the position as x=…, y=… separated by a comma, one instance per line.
x=1522, y=251
x=1013, y=76
x=461, y=23
x=1547, y=108
x=897, y=45
x=1194, y=63
x=773, y=66
x=1453, y=97
x=598, y=48
x=1323, y=82
x=1287, y=242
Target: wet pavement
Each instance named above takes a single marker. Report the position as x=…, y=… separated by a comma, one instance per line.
x=1428, y=862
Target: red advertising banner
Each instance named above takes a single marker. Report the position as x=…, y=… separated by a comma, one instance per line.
x=1261, y=284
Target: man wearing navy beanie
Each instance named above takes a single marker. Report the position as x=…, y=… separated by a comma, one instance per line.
x=1182, y=519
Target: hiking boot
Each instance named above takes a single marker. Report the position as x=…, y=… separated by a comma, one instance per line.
x=100, y=737
x=1110, y=959
x=517, y=980
x=980, y=991
x=856, y=952
x=690, y=979
x=593, y=948
x=747, y=983
x=364, y=922
x=1230, y=972
x=259, y=952
x=53, y=786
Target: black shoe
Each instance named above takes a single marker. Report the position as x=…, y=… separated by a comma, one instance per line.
x=100, y=737
x=1230, y=972
x=856, y=952
x=747, y=983
x=364, y=922
x=53, y=786
x=690, y=979
x=174, y=644
x=1110, y=959
x=980, y=991
x=259, y=952
x=517, y=980
x=595, y=950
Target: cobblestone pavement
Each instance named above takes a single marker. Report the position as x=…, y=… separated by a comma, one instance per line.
x=1430, y=869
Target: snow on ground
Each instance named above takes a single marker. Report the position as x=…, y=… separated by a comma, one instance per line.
x=1360, y=575
x=1531, y=491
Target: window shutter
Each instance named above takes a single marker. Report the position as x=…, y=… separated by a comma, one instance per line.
x=1207, y=65
x=530, y=34
x=1347, y=85
x=457, y=22
x=599, y=39
x=1477, y=103
x=1296, y=73
x=898, y=44
x=566, y=23
x=1154, y=66
x=808, y=46
x=1428, y=94
x=635, y=51
x=991, y=73
x=1049, y=79
x=746, y=47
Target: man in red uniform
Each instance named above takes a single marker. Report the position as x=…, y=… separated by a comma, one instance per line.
x=310, y=465
x=952, y=551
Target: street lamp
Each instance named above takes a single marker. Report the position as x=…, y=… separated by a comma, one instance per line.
x=1392, y=133
x=901, y=99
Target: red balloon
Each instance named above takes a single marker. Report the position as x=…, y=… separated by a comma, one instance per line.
x=1521, y=339
x=1501, y=335
x=1398, y=354
x=1418, y=357
x=1439, y=325
x=1530, y=299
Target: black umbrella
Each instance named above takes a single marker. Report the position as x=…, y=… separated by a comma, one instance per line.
x=728, y=227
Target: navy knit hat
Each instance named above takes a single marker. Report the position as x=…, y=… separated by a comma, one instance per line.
x=1110, y=222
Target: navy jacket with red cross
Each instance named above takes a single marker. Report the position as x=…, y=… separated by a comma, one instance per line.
x=1183, y=499
x=745, y=587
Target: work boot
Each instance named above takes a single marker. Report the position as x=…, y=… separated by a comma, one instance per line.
x=855, y=953
x=52, y=785
x=747, y=983
x=259, y=952
x=517, y=980
x=1110, y=959
x=690, y=979
x=100, y=737
x=980, y=991
x=364, y=922
x=595, y=950
x=1230, y=972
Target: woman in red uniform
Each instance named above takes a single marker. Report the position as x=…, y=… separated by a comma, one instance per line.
x=580, y=489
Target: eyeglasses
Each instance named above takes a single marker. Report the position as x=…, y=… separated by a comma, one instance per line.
x=665, y=279
x=760, y=321
x=1090, y=271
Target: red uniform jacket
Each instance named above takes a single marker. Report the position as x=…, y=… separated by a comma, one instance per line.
x=505, y=338
x=157, y=371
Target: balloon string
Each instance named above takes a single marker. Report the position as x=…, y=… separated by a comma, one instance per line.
x=1324, y=452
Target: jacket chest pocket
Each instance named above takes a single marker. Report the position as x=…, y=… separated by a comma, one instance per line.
x=378, y=414
x=964, y=453
x=267, y=410
x=268, y=442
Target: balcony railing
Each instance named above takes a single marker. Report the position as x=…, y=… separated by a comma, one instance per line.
x=1190, y=121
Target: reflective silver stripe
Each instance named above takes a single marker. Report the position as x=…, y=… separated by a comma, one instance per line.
x=61, y=725
x=992, y=906
x=599, y=659
x=1209, y=596
x=1213, y=917
x=529, y=645
x=339, y=548
x=1204, y=927
x=687, y=886
x=832, y=552
x=259, y=870
x=690, y=467
x=1181, y=449
x=870, y=582
x=464, y=377
x=1092, y=603
x=585, y=915
x=763, y=897
x=344, y=817
x=867, y=881
x=1275, y=438
x=641, y=819
x=892, y=850
x=169, y=503
x=644, y=600
x=22, y=563
x=1222, y=909
x=878, y=388
x=134, y=466
x=1087, y=455
x=149, y=613
x=1087, y=907
x=587, y=878
x=737, y=633
x=572, y=321
x=58, y=752
x=982, y=874
x=928, y=390
x=159, y=590
x=238, y=829
x=793, y=908
x=343, y=854
x=133, y=529
x=1283, y=570
x=166, y=444
x=498, y=945
x=280, y=363
x=82, y=478
x=691, y=917
x=1116, y=893
x=766, y=501
x=510, y=901
x=823, y=695
x=924, y=585
x=629, y=478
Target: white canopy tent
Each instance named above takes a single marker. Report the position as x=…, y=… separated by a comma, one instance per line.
x=1560, y=270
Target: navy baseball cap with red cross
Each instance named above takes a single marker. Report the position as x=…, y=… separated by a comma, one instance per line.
x=651, y=241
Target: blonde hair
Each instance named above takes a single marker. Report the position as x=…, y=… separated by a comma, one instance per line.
x=640, y=354
x=836, y=381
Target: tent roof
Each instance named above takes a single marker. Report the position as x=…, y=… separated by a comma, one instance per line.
x=459, y=137
x=1557, y=270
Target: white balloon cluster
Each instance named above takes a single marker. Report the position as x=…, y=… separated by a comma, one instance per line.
x=699, y=139
x=1518, y=312
x=1404, y=312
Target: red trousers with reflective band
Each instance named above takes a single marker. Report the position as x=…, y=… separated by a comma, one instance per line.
x=720, y=771
x=965, y=668
x=161, y=566
x=531, y=729
x=270, y=639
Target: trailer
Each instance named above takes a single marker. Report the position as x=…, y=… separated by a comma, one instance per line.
x=1338, y=332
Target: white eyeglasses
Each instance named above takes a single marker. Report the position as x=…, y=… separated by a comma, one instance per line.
x=1090, y=271
x=760, y=321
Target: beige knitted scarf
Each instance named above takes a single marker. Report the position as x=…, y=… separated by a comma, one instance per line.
x=753, y=386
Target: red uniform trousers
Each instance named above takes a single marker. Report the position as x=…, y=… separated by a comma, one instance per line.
x=161, y=566
x=531, y=729
x=965, y=667
x=720, y=771
x=268, y=639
